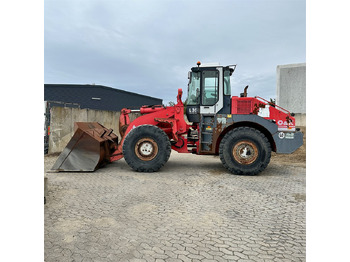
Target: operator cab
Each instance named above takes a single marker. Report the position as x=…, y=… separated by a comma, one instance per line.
x=209, y=91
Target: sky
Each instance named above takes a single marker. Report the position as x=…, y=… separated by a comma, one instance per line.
x=148, y=47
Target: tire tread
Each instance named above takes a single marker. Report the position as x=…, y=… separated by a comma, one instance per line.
x=128, y=152
x=237, y=170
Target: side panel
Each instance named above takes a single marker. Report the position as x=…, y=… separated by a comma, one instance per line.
x=227, y=106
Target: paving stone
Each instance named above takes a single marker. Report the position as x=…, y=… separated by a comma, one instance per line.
x=179, y=214
x=231, y=257
x=251, y=253
x=184, y=258
x=205, y=254
x=215, y=253
x=137, y=260
x=158, y=250
x=181, y=252
x=220, y=259
x=174, y=260
x=193, y=256
x=160, y=256
x=226, y=251
x=192, y=250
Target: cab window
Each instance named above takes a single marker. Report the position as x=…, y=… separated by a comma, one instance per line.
x=194, y=89
x=210, y=91
x=227, y=84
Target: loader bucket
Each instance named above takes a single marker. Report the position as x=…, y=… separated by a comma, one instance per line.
x=90, y=148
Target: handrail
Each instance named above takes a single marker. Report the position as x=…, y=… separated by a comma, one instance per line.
x=267, y=102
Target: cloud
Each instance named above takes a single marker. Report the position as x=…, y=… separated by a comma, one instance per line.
x=149, y=46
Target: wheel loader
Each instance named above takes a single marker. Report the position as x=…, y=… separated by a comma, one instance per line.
x=242, y=130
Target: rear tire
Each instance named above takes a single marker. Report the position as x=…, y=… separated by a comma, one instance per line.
x=146, y=148
x=245, y=151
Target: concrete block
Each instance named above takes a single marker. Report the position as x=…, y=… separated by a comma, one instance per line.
x=300, y=120
x=291, y=87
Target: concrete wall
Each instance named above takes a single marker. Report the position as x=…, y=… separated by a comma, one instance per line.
x=63, y=118
x=291, y=90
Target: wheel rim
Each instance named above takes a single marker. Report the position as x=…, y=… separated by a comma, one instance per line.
x=245, y=152
x=146, y=149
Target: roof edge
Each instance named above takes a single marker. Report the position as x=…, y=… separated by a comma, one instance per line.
x=102, y=86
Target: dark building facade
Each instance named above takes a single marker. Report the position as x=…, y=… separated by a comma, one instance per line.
x=96, y=97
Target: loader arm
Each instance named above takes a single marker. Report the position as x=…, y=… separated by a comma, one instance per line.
x=169, y=119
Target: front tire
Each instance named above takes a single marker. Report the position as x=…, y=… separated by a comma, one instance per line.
x=146, y=148
x=245, y=151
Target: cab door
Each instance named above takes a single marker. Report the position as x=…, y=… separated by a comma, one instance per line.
x=211, y=91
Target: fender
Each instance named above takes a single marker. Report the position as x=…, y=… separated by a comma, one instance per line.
x=279, y=143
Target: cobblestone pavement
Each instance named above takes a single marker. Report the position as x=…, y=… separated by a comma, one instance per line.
x=192, y=210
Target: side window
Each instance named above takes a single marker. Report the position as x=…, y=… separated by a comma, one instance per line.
x=227, y=85
x=194, y=89
x=210, y=80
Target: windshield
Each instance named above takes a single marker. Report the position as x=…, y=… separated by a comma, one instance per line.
x=194, y=89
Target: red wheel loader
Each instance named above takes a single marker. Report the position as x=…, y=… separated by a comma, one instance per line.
x=241, y=130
